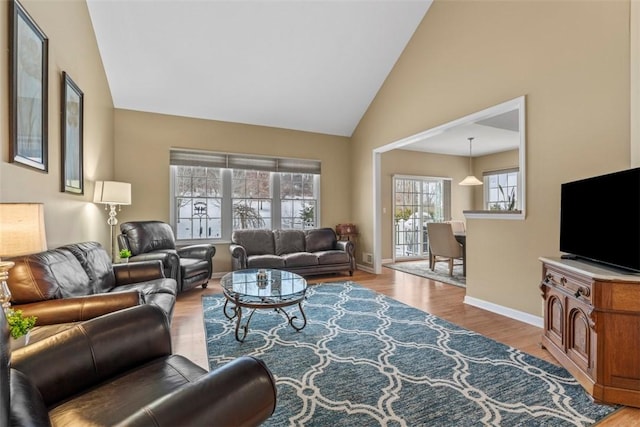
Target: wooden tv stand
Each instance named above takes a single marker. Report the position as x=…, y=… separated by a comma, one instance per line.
x=592, y=327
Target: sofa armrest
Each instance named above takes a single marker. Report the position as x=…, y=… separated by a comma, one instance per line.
x=76, y=309
x=238, y=257
x=240, y=393
x=93, y=351
x=350, y=248
x=137, y=271
x=201, y=251
x=347, y=246
x=170, y=261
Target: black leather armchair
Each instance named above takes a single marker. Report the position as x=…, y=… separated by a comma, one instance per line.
x=190, y=266
x=118, y=370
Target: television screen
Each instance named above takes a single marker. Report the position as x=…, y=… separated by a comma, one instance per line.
x=600, y=219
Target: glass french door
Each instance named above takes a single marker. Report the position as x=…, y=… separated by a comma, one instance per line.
x=417, y=201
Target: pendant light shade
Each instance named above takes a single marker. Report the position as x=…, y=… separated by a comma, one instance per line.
x=470, y=179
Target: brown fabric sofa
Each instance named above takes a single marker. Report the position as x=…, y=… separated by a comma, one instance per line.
x=78, y=282
x=118, y=370
x=305, y=252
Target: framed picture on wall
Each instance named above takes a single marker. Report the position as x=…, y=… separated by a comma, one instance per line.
x=72, y=141
x=28, y=104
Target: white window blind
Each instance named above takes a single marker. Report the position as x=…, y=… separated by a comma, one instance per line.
x=179, y=157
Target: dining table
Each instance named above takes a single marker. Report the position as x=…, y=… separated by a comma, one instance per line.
x=462, y=239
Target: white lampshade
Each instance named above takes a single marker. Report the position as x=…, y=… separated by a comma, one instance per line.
x=112, y=193
x=470, y=180
x=22, y=229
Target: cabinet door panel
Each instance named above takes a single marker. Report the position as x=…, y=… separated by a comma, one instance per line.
x=554, y=319
x=580, y=337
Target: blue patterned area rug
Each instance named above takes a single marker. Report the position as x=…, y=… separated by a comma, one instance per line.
x=441, y=273
x=365, y=359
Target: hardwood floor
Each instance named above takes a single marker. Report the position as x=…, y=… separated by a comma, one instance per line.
x=442, y=300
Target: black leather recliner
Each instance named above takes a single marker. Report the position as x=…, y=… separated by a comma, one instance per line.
x=190, y=266
x=118, y=370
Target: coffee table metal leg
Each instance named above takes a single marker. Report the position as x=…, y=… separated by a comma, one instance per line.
x=232, y=309
x=291, y=319
x=240, y=336
x=242, y=330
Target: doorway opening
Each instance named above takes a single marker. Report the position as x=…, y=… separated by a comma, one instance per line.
x=417, y=201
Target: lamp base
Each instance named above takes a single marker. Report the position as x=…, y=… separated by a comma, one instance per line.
x=5, y=293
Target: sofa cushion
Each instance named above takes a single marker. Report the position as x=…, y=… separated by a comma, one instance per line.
x=265, y=261
x=321, y=239
x=300, y=259
x=96, y=263
x=288, y=241
x=332, y=257
x=190, y=267
x=51, y=274
x=147, y=236
x=255, y=242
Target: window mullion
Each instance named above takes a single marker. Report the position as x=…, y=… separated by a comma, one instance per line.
x=316, y=195
x=227, y=203
x=276, y=204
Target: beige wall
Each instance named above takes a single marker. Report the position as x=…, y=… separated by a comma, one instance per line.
x=142, y=148
x=413, y=163
x=570, y=59
x=72, y=48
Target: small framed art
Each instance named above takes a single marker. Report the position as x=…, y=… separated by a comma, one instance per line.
x=72, y=141
x=28, y=104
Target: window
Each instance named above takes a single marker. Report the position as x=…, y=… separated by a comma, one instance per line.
x=298, y=200
x=198, y=202
x=417, y=201
x=251, y=199
x=213, y=194
x=501, y=190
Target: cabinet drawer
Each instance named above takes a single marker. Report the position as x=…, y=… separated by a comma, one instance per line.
x=573, y=284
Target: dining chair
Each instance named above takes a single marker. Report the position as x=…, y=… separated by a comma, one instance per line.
x=457, y=226
x=443, y=246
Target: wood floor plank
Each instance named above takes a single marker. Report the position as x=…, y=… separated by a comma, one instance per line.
x=442, y=300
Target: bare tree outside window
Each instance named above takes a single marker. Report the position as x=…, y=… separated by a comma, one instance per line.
x=251, y=199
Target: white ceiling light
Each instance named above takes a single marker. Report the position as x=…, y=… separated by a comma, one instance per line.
x=470, y=179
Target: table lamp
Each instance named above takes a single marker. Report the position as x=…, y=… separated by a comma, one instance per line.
x=22, y=232
x=112, y=194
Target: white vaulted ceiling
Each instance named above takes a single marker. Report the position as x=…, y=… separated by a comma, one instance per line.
x=312, y=65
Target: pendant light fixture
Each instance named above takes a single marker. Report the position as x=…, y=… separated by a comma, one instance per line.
x=470, y=179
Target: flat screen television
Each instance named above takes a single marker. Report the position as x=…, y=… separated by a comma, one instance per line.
x=600, y=219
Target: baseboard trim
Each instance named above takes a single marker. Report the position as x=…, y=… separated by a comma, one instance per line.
x=366, y=268
x=505, y=311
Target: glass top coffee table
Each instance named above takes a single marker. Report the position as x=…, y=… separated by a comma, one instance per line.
x=255, y=289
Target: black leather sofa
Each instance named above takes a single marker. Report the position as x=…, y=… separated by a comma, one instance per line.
x=118, y=370
x=306, y=252
x=78, y=282
x=190, y=266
